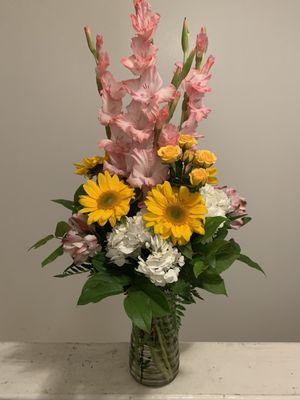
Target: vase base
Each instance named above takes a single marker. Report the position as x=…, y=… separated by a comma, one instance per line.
x=153, y=381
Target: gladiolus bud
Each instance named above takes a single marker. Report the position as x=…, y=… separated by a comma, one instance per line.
x=185, y=38
x=99, y=42
x=202, y=42
x=201, y=46
x=90, y=41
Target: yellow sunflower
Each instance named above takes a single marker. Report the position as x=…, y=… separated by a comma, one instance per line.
x=175, y=213
x=109, y=200
x=87, y=165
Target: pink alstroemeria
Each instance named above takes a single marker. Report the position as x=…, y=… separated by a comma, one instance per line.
x=149, y=92
x=80, y=248
x=78, y=223
x=169, y=136
x=144, y=56
x=238, y=206
x=147, y=169
x=145, y=21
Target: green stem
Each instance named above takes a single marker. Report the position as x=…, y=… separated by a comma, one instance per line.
x=163, y=349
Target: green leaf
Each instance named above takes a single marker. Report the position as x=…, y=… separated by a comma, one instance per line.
x=41, y=242
x=251, y=263
x=53, y=256
x=79, y=192
x=66, y=203
x=198, y=266
x=101, y=285
x=158, y=301
x=246, y=220
x=226, y=256
x=187, y=251
x=211, y=226
x=138, y=308
x=187, y=65
x=61, y=229
x=99, y=261
x=213, y=283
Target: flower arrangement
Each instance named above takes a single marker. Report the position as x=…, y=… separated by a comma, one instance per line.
x=151, y=220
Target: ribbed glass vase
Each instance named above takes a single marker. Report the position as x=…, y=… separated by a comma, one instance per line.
x=154, y=357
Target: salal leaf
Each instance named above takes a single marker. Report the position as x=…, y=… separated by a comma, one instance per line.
x=198, y=266
x=101, y=285
x=187, y=251
x=252, y=264
x=226, y=256
x=99, y=261
x=53, y=256
x=65, y=203
x=213, y=283
x=138, y=308
x=41, y=242
x=61, y=229
x=211, y=226
x=158, y=301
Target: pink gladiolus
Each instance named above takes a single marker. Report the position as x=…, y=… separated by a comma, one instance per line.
x=202, y=42
x=238, y=206
x=80, y=248
x=144, y=56
x=147, y=169
x=112, y=95
x=169, y=136
x=207, y=66
x=145, y=21
x=149, y=92
x=135, y=123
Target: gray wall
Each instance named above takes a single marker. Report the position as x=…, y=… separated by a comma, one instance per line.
x=48, y=120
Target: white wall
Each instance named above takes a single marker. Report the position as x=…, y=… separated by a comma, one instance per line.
x=48, y=120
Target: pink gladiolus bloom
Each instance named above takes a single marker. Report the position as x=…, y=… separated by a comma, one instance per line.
x=112, y=95
x=99, y=42
x=135, y=123
x=145, y=21
x=169, y=136
x=147, y=169
x=80, y=248
x=202, y=42
x=238, y=206
x=207, y=66
x=144, y=56
x=117, y=149
x=149, y=92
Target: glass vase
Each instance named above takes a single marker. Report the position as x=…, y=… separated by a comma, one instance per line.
x=154, y=357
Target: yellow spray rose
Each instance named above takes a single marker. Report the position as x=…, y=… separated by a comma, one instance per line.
x=187, y=141
x=212, y=179
x=205, y=158
x=170, y=154
x=188, y=156
x=198, y=176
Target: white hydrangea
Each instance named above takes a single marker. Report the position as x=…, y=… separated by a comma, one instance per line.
x=126, y=240
x=217, y=202
x=162, y=266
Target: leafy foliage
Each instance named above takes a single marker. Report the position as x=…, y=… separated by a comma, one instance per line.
x=41, y=242
x=61, y=229
x=252, y=264
x=53, y=256
x=65, y=203
x=144, y=302
x=101, y=285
